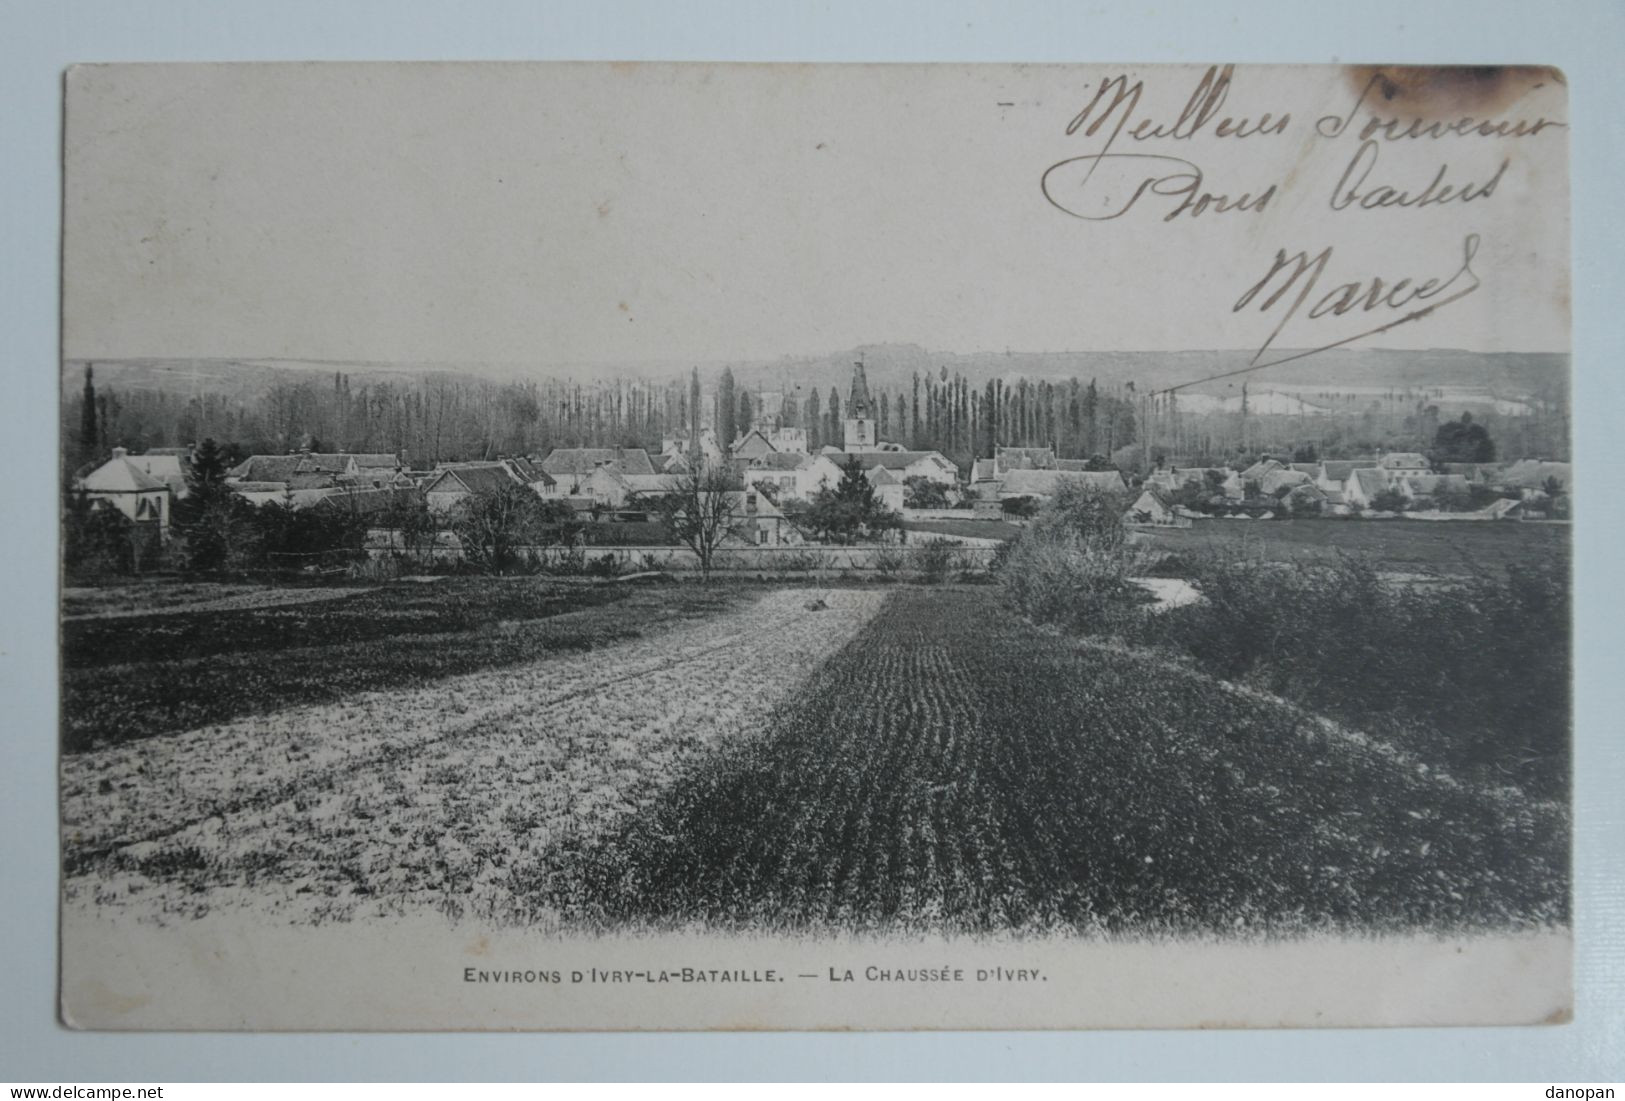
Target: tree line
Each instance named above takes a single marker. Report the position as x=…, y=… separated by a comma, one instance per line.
x=445, y=418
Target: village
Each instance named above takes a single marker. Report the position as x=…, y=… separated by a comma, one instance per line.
x=770, y=477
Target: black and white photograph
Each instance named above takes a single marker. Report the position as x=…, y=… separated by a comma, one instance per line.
x=739, y=546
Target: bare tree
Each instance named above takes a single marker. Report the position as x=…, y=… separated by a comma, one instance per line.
x=494, y=525
x=416, y=527
x=704, y=510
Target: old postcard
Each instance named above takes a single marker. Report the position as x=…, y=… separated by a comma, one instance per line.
x=687, y=546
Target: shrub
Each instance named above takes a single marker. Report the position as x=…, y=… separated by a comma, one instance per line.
x=280, y=537
x=1001, y=557
x=933, y=560
x=605, y=565
x=1390, y=500
x=1471, y=673
x=1064, y=578
x=567, y=560
x=921, y=492
x=804, y=560
x=889, y=560
x=388, y=568
x=1072, y=566
x=97, y=541
x=1093, y=514
x=493, y=525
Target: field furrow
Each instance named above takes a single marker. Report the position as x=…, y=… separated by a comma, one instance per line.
x=955, y=767
x=442, y=793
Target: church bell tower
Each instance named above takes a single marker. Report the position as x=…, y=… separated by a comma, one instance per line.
x=860, y=414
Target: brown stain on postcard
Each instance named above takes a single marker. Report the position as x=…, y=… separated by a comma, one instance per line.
x=1448, y=91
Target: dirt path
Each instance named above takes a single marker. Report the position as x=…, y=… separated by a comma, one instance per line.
x=437, y=796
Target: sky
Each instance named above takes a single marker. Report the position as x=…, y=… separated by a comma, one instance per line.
x=533, y=214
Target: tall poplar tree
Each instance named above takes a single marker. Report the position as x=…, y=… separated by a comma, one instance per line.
x=727, y=410
x=87, y=419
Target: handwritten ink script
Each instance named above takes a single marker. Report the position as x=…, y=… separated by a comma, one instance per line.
x=1136, y=164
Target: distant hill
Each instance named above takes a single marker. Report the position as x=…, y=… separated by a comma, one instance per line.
x=1261, y=403
x=1507, y=375
x=891, y=367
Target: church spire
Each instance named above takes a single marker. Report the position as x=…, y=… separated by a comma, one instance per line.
x=860, y=405
x=860, y=414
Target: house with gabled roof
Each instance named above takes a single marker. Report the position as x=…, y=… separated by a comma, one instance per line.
x=266, y=468
x=785, y=474
x=1506, y=508
x=305, y=470
x=1335, y=472
x=1306, y=496
x=780, y=461
x=933, y=465
x=786, y=438
x=1045, y=483
x=368, y=502
x=755, y=521
x=1529, y=476
x=261, y=493
x=369, y=463
x=1364, y=486
x=1259, y=470
x=122, y=484
x=610, y=488
x=1432, y=487
x=1153, y=506
x=888, y=487
x=312, y=479
x=654, y=485
x=1276, y=482
x=327, y=462
x=606, y=485
x=1006, y=459
x=1400, y=464
x=168, y=465
x=453, y=483
x=1174, y=478
x=752, y=445
x=569, y=463
x=1475, y=473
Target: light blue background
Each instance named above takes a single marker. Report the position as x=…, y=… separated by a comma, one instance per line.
x=37, y=40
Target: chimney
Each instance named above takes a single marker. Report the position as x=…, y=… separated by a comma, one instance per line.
x=120, y=452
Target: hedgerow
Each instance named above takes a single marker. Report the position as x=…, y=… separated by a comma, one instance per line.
x=1468, y=671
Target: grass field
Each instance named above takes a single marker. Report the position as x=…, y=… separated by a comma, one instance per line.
x=956, y=767
x=432, y=796
x=909, y=758
x=976, y=529
x=1420, y=546
x=130, y=676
